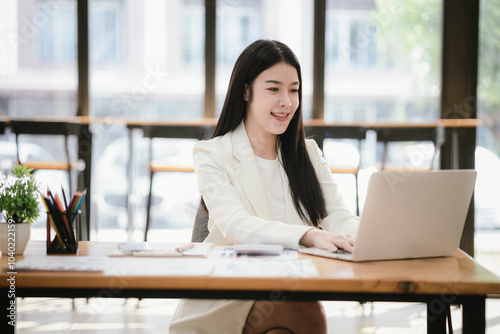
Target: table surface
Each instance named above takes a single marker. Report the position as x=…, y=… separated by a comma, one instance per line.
x=458, y=275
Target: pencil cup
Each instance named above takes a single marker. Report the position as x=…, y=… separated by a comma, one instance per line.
x=63, y=232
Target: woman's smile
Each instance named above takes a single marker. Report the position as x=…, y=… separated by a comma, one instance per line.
x=280, y=116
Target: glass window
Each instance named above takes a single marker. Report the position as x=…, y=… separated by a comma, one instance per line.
x=57, y=42
x=488, y=134
x=382, y=60
x=38, y=74
x=107, y=22
x=194, y=41
x=147, y=63
x=150, y=66
x=239, y=23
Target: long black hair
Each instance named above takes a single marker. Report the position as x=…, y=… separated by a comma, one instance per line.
x=306, y=191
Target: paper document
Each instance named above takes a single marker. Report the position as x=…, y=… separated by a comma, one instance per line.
x=287, y=264
x=145, y=249
x=259, y=267
x=61, y=263
x=133, y=266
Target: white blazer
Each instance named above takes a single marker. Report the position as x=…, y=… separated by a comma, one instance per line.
x=230, y=183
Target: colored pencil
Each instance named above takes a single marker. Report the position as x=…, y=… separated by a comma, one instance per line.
x=46, y=203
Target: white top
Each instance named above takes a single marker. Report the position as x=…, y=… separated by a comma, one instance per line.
x=273, y=184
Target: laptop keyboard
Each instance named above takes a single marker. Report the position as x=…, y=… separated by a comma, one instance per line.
x=340, y=254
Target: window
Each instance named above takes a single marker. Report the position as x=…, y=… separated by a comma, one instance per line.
x=194, y=41
x=38, y=73
x=57, y=42
x=488, y=135
x=107, y=21
x=384, y=56
x=239, y=23
x=151, y=66
x=237, y=28
x=147, y=63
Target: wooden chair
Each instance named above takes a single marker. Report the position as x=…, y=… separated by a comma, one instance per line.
x=181, y=131
x=62, y=129
x=355, y=132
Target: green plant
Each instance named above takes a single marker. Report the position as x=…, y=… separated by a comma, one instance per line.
x=18, y=195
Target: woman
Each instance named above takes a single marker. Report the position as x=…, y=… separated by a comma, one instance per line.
x=263, y=182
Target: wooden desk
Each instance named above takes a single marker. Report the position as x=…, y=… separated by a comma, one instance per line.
x=438, y=282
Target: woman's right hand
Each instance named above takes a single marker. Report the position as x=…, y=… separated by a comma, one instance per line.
x=331, y=241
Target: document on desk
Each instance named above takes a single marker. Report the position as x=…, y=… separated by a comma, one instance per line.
x=61, y=263
x=158, y=266
x=145, y=249
x=287, y=264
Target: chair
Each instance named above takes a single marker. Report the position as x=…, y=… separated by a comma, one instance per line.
x=170, y=131
x=409, y=134
x=354, y=132
x=62, y=129
x=200, y=227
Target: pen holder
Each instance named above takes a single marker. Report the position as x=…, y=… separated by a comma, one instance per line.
x=63, y=232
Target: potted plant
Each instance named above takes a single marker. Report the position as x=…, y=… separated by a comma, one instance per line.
x=19, y=207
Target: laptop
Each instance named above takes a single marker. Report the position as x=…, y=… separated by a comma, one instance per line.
x=410, y=214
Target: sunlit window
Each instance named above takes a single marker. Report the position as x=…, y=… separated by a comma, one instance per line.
x=56, y=41
x=38, y=73
x=194, y=40
x=151, y=67
x=107, y=23
x=237, y=28
x=240, y=23
x=488, y=135
x=382, y=60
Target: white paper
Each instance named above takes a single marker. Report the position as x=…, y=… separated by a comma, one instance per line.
x=144, y=249
x=61, y=263
x=181, y=266
x=264, y=267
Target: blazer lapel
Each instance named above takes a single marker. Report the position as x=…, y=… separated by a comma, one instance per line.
x=248, y=173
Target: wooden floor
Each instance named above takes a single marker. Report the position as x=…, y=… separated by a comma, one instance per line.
x=131, y=316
